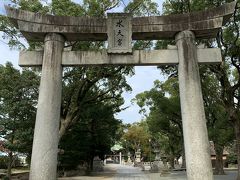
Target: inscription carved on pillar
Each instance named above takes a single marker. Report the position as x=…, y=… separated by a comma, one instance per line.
x=119, y=28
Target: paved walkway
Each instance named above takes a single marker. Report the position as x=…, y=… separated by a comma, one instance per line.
x=122, y=172
x=129, y=172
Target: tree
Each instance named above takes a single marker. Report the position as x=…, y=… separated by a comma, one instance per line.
x=10, y=33
x=142, y=8
x=18, y=97
x=164, y=119
x=93, y=135
x=137, y=138
x=228, y=40
x=84, y=86
x=219, y=129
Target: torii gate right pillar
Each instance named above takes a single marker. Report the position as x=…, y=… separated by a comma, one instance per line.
x=196, y=141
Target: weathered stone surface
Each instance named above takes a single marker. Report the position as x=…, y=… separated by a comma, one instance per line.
x=30, y=58
x=196, y=143
x=204, y=24
x=46, y=133
x=119, y=30
x=202, y=29
x=98, y=164
x=138, y=58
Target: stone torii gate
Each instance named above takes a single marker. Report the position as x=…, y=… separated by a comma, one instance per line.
x=119, y=29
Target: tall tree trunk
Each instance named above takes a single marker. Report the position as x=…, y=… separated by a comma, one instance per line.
x=237, y=134
x=10, y=162
x=172, y=158
x=88, y=161
x=91, y=163
x=219, y=160
x=65, y=123
x=183, y=158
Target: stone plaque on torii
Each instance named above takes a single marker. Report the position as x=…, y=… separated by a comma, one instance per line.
x=119, y=30
x=184, y=28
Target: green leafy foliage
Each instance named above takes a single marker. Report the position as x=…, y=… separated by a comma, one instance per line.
x=66, y=8
x=142, y=8
x=18, y=95
x=93, y=135
x=10, y=34
x=18, y=98
x=164, y=119
x=33, y=6
x=136, y=137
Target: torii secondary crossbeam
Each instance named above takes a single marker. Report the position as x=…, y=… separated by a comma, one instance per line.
x=55, y=30
x=138, y=58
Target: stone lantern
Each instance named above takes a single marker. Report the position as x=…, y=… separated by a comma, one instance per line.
x=157, y=164
x=138, y=156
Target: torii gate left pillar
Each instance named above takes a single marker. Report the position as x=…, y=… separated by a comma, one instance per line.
x=46, y=133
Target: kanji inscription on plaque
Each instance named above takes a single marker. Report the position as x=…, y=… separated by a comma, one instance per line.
x=119, y=26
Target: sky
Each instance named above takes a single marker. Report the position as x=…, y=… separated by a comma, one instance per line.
x=140, y=82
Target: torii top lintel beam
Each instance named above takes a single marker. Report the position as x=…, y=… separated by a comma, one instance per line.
x=205, y=24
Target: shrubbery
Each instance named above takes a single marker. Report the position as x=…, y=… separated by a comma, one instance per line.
x=232, y=158
x=3, y=162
